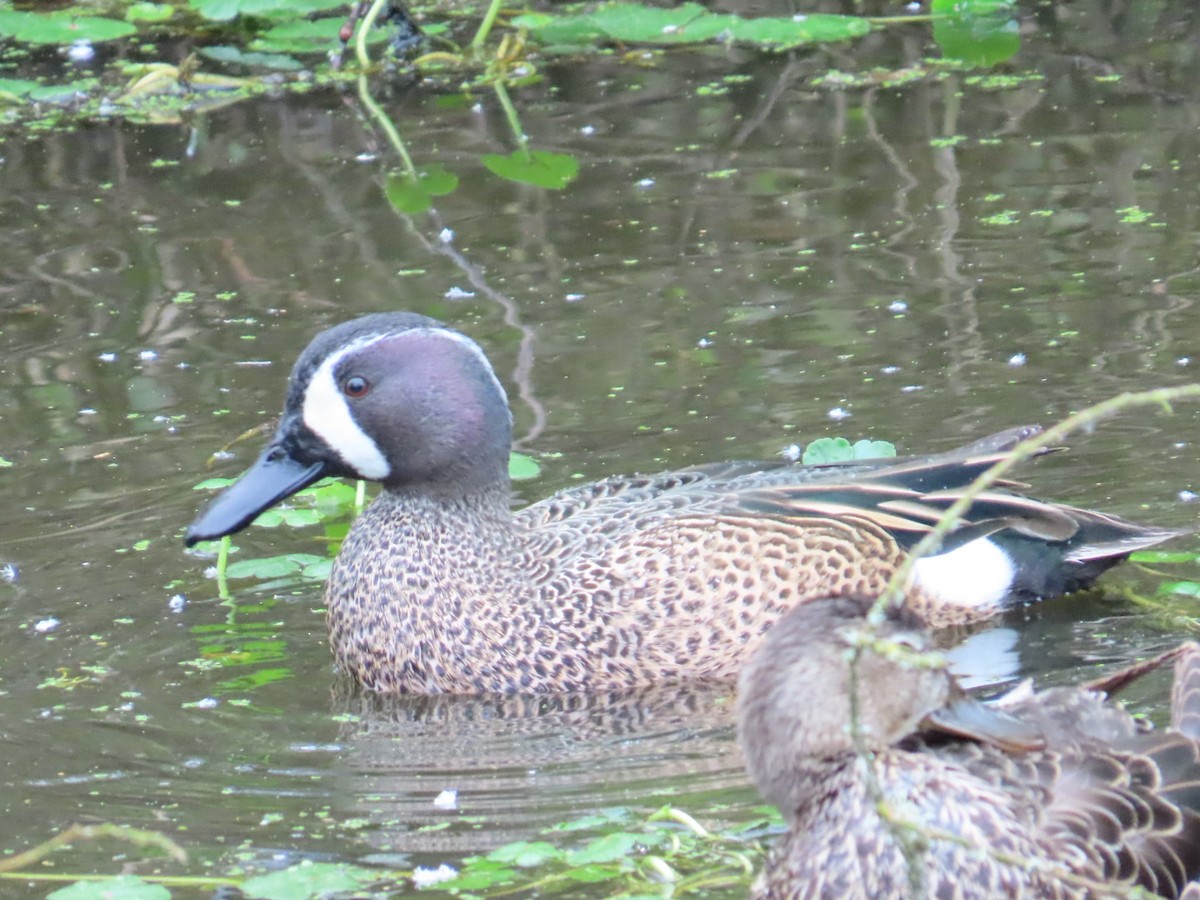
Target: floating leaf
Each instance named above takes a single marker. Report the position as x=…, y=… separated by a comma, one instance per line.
x=316, y=36
x=122, y=887
x=865, y=449
x=411, y=196
x=537, y=167
x=224, y=10
x=526, y=854
x=607, y=848
x=309, y=879
x=830, y=450
x=149, y=12
x=275, y=566
x=633, y=23
x=636, y=24
x=61, y=27
x=781, y=34
x=240, y=57
x=522, y=467
x=4, y=463
x=977, y=32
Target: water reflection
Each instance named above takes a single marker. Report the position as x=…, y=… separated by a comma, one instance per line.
x=728, y=268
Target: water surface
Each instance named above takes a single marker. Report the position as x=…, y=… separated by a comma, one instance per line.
x=737, y=268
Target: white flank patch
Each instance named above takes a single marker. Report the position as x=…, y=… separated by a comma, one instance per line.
x=327, y=415
x=977, y=574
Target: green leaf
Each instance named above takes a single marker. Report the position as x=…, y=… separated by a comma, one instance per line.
x=224, y=10
x=309, y=879
x=122, y=887
x=608, y=848
x=273, y=566
x=865, y=449
x=411, y=197
x=633, y=23
x=303, y=37
x=537, y=167
x=149, y=12
x=212, y=484
x=976, y=32
x=526, y=854
x=830, y=450
x=781, y=34
x=238, y=56
x=1186, y=588
x=522, y=467
x=4, y=463
x=480, y=874
x=61, y=27
x=637, y=24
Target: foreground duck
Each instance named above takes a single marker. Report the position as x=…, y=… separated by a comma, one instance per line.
x=1055, y=794
x=441, y=587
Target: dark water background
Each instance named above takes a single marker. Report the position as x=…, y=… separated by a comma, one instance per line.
x=737, y=259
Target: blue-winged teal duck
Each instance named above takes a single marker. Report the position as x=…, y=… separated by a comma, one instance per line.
x=1051, y=794
x=440, y=586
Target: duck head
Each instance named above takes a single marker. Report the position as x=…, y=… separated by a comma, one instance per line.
x=396, y=398
x=824, y=666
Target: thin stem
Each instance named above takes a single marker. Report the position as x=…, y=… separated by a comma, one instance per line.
x=364, y=92
x=485, y=27
x=510, y=112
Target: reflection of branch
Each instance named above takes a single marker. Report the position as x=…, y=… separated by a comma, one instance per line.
x=521, y=375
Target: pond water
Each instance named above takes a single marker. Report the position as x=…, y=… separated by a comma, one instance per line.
x=743, y=263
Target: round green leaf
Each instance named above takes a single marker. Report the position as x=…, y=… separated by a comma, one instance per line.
x=122, y=887
x=61, y=27
x=522, y=467
x=977, y=32
x=537, y=167
x=149, y=12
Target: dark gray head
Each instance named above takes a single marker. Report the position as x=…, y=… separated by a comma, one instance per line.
x=392, y=397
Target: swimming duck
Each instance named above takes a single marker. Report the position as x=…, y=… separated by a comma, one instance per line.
x=441, y=587
x=1050, y=794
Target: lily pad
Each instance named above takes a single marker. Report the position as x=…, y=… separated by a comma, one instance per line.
x=633, y=23
x=976, y=32
x=122, y=887
x=309, y=879
x=537, y=167
x=61, y=27
x=149, y=12
x=522, y=467
x=830, y=450
x=238, y=56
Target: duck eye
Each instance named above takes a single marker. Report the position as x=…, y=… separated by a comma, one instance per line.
x=355, y=386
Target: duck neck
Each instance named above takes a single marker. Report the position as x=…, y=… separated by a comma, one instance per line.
x=419, y=576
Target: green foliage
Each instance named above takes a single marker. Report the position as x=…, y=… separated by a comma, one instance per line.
x=237, y=56
x=522, y=467
x=688, y=23
x=829, y=450
x=309, y=879
x=122, y=887
x=540, y=168
x=60, y=27
x=976, y=32
x=149, y=12
x=411, y=196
